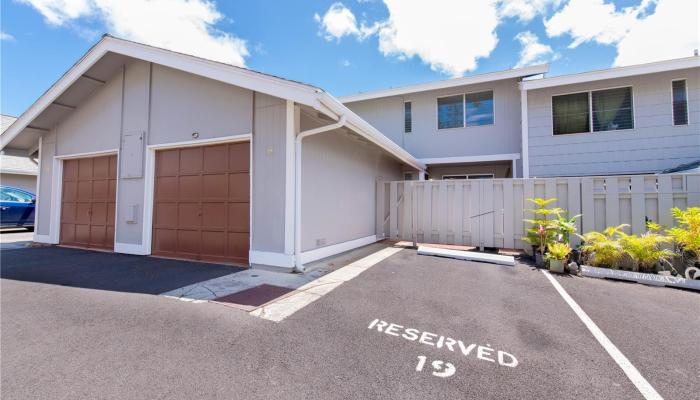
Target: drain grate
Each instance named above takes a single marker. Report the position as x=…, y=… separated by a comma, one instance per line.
x=254, y=297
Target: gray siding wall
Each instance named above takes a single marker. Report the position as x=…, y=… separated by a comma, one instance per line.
x=499, y=170
x=653, y=145
x=26, y=182
x=168, y=106
x=426, y=141
x=339, y=175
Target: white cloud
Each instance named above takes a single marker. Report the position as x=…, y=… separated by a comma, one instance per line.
x=671, y=32
x=448, y=35
x=185, y=26
x=525, y=10
x=339, y=21
x=640, y=34
x=6, y=36
x=533, y=52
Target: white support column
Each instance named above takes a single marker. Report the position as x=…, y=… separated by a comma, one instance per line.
x=289, y=179
x=524, y=132
x=421, y=175
x=515, y=168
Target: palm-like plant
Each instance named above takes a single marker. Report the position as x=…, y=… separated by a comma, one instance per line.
x=543, y=231
x=604, y=248
x=647, y=249
x=687, y=234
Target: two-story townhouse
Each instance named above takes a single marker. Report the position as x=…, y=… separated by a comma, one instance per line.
x=517, y=123
x=461, y=128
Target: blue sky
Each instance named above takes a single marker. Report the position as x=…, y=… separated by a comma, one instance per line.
x=350, y=46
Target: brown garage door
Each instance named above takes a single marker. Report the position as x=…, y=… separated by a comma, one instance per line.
x=201, y=203
x=88, y=202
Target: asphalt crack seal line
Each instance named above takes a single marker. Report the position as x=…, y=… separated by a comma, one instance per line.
x=632, y=373
x=285, y=306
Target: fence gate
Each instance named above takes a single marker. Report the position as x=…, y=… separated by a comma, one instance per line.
x=490, y=212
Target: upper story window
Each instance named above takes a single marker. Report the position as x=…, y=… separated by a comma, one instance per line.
x=407, y=119
x=450, y=112
x=479, y=108
x=595, y=111
x=612, y=109
x=570, y=114
x=680, y=102
x=471, y=109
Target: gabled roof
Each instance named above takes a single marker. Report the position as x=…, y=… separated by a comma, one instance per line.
x=612, y=73
x=449, y=83
x=110, y=46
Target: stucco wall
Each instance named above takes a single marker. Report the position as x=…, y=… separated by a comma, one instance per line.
x=426, y=141
x=339, y=175
x=26, y=182
x=653, y=145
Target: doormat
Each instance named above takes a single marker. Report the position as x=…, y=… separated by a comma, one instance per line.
x=253, y=298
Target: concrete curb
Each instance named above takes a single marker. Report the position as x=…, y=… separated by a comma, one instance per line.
x=639, y=277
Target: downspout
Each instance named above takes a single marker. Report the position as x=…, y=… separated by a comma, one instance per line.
x=297, y=186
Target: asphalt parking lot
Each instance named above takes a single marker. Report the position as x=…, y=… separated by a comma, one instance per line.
x=409, y=327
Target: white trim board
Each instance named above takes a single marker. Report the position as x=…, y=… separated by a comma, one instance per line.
x=328, y=251
x=612, y=73
x=449, y=83
x=271, y=258
x=129, y=248
x=471, y=159
x=42, y=238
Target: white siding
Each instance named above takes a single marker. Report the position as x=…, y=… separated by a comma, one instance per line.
x=653, y=145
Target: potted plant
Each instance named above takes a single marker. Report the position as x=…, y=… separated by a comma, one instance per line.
x=542, y=231
x=557, y=254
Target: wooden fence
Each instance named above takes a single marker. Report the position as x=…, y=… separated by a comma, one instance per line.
x=490, y=212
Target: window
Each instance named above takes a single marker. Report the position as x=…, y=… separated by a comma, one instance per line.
x=595, y=111
x=407, y=120
x=570, y=113
x=471, y=176
x=408, y=176
x=479, y=108
x=612, y=109
x=450, y=112
x=680, y=103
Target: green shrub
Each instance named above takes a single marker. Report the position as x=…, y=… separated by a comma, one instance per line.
x=603, y=249
x=558, y=251
x=646, y=250
x=687, y=235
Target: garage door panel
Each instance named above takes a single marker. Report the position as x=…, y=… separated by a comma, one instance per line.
x=165, y=215
x=99, y=214
x=70, y=170
x=100, y=168
x=215, y=186
x=239, y=157
x=239, y=217
x=166, y=188
x=214, y=215
x=197, y=200
x=84, y=190
x=239, y=187
x=189, y=216
x=168, y=163
x=190, y=187
x=216, y=159
x=88, y=202
x=191, y=160
x=188, y=242
x=82, y=234
x=85, y=168
x=164, y=241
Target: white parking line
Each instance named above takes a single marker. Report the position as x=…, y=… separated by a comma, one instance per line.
x=632, y=373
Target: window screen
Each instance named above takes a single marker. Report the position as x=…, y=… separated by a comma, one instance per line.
x=680, y=103
x=570, y=114
x=450, y=112
x=612, y=109
x=407, y=121
x=479, y=108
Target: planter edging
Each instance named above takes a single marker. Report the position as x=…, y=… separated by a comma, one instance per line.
x=640, y=277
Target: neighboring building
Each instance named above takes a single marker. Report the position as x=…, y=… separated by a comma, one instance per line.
x=628, y=120
x=17, y=169
x=148, y=151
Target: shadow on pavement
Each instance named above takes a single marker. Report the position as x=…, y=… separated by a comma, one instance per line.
x=105, y=271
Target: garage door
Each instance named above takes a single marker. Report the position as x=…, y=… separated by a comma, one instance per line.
x=88, y=202
x=201, y=203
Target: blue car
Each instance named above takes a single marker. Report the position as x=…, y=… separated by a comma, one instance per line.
x=16, y=208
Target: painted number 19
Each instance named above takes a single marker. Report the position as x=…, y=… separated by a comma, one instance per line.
x=441, y=369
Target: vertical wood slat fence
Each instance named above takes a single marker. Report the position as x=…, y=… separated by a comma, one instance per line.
x=490, y=212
